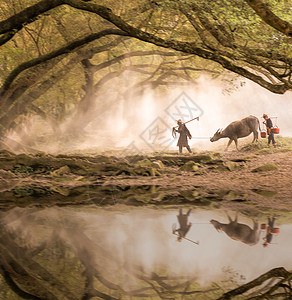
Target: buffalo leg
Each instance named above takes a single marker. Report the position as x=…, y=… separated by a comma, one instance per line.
x=255, y=224
x=230, y=219
x=255, y=136
x=236, y=217
x=228, y=216
x=236, y=144
x=229, y=142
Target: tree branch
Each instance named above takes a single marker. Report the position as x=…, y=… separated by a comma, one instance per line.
x=14, y=287
x=63, y=50
x=29, y=15
x=263, y=11
x=129, y=55
x=185, y=47
x=277, y=272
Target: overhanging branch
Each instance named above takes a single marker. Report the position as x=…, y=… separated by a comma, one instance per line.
x=277, y=272
x=30, y=14
x=63, y=50
x=263, y=11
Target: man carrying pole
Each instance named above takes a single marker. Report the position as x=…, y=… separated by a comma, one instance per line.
x=184, y=134
x=270, y=230
x=184, y=227
x=269, y=124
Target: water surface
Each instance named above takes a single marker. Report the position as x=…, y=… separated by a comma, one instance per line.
x=122, y=248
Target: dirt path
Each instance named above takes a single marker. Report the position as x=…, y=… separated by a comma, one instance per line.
x=271, y=189
x=223, y=180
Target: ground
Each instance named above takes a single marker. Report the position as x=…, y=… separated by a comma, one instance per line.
x=256, y=179
x=270, y=189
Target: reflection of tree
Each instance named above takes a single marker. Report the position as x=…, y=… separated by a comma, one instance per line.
x=274, y=284
x=61, y=262
x=24, y=272
x=51, y=256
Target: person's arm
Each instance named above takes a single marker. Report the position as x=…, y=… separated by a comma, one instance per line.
x=269, y=123
x=188, y=132
x=188, y=228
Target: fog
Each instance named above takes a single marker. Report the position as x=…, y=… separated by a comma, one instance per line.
x=218, y=110
x=143, y=123
x=125, y=127
x=143, y=237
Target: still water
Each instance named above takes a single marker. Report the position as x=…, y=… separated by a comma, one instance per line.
x=122, y=252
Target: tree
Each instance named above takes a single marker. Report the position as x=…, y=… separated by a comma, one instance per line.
x=224, y=44
x=250, y=39
x=67, y=264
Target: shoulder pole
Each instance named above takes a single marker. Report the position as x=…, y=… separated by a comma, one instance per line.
x=196, y=118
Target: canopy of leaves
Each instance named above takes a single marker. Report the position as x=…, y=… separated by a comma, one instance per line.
x=57, y=55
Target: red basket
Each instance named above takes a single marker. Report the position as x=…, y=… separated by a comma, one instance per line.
x=276, y=230
x=276, y=130
x=263, y=134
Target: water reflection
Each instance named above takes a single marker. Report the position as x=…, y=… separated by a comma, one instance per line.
x=121, y=252
x=184, y=226
x=271, y=230
x=238, y=231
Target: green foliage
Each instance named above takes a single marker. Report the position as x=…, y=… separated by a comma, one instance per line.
x=214, y=32
x=283, y=144
x=33, y=191
x=21, y=169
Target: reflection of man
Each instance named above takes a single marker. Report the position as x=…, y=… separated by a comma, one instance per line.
x=269, y=125
x=269, y=235
x=184, y=134
x=183, y=223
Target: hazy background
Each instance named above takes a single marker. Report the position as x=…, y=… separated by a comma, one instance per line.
x=124, y=123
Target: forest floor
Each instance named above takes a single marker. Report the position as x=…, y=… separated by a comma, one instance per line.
x=256, y=179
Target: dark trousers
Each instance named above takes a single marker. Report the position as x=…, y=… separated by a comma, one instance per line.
x=269, y=235
x=271, y=222
x=181, y=147
x=271, y=137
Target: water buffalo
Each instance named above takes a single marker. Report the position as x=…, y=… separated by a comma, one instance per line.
x=238, y=129
x=239, y=232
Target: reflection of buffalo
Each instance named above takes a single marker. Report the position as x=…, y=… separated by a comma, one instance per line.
x=238, y=129
x=239, y=232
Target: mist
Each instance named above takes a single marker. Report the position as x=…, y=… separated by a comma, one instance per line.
x=126, y=123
